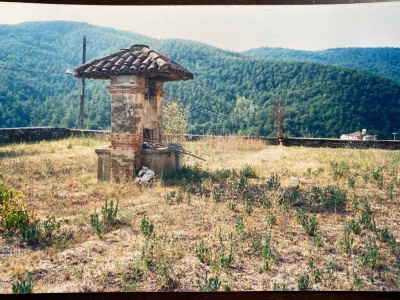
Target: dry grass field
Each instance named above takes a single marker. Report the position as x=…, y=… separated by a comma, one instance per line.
x=252, y=217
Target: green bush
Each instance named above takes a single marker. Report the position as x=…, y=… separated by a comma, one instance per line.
x=202, y=252
x=31, y=234
x=146, y=227
x=248, y=172
x=211, y=284
x=302, y=282
x=98, y=226
x=23, y=287
x=273, y=182
x=309, y=225
x=13, y=213
x=109, y=213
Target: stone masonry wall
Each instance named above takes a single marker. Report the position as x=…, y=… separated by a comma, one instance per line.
x=35, y=134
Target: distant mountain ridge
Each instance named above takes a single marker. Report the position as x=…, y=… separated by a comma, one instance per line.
x=384, y=61
x=231, y=92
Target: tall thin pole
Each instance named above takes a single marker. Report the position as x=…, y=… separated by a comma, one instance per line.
x=82, y=104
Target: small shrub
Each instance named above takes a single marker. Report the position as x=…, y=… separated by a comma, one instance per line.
x=279, y=286
x=98, y=226
x=232, y=204
x=170, y=196
x=50, y=225
x=13, y=213
x=309, y=225
x=369, y=259
x=146, y=227
x=248, y=206
x=302, y=282
x=347, y=241
x=243, y=182
x=248, y=172
x=23, y=287
x=352, y=181
x=273, y=182
x=262, y=246
x=353, y=226
x=203, y=253
x=211, y=284
x=356, y=280
x=31, y=234
x=109, y=213
x=315, y=272
x=239, y=226
x=366, y=218
x=216, y=196
x=289, y=196
x=330, y=269
x=318, y=240
x=271, y=220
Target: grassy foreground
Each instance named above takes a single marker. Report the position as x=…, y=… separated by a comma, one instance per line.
x=252, y=217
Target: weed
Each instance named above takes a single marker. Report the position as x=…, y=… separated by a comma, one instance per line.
x=339, y=168
x=315, y=272
x=309, y=225
x=179, y=197
x=262, y=246
x=378, y=176
x=353, y=226
x=273, y=182
x=347, y=241
x=130, y=277
x=318, y=240
x=98, y=226
x=366, y=177
x=271, y=220
x=232, y=204
x=330, y=268
x=50, y=225
x=302, y=282
x=243, y=182
x=366, y=219
x=216, y=196
x=13, y=213
x=356, y=280
x=31, y=234
x=146, y=227
x=223, y=261
x=248, y=172
x=23, y=287
x=369, y=259
x=289, y=196
x=279, y=286
x=170, y=196
x=351, y=181
x=248, y=207
x=390, y=191
x=239, y=226
x=355, y=203
x=109, y=213
x=203, y=253
x=211, y=284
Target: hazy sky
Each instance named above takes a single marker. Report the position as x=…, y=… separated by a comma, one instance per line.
x=236, y=28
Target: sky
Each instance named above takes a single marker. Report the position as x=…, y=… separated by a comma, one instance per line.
x=235, y=28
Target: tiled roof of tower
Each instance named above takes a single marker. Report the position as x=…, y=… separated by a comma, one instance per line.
x=136, y=60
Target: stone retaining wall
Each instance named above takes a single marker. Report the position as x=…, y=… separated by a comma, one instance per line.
x=34, y=134
x=319, y=142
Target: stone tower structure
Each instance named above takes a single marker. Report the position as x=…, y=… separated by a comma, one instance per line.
x=137, y=75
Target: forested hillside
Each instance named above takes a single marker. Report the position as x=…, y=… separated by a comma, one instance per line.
x=382, y=61
x=230, y=92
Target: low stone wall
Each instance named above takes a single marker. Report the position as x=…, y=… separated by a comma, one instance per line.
x=34, y=134
x=318, y=142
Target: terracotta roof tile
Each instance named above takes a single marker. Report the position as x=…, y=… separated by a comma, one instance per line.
x=136, y=60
